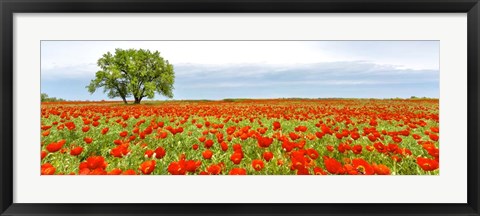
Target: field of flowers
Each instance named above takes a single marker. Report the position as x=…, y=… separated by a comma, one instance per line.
x=238, y=137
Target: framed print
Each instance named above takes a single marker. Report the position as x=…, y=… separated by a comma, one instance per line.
x=263, y=108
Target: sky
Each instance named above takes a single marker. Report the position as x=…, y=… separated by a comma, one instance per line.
x=258, y=69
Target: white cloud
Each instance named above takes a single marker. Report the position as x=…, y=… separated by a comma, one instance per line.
x=78, y=58
x=285, y=83
x=70, y=72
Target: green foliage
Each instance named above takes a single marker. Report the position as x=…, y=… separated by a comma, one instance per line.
x=138, y=73
x=44, y=98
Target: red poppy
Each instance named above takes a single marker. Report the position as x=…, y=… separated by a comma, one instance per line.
x=298, y=159
x=362, y=167
x=369, y=148
x=95, y=123
x=88, y=140
x=94, y=165
x=175, y=168
x=209, y=143
x=70, y=125
x=416, y=136
x=372, y=138
x=276, y=125
x=288, y=146
x=381, y=169
x=123, y=133
x=120, y=151
x=115, y=171
x=46, y=127
x=224, y=146
x=427, y=164
x=433, y=137
x=300, y=144
x=333, y=166
x=396, y=158
x=237, y=147
x=293, y=136
x=98, y=171
x=303, y=171
x=55, y=146
x=350, y=170
x=76, y=151
x=192, y=166
x=43, y=154
x=231, y=130
x=147, y=167
x=236, y=157
x=214, y=169
x=95, y=162
x=355, y=135
x=397, y=139
x=161, y=134
x=47, y=169
x=267, y=156
x=195, y=146
x=339, y=135
x=301, y=128
x=238, y=171
x=318, y=171
x=105, y=130
x=131, y=138
x=148, y=153
x=357, y=149
x=148, y=130
x=46, y=133
x=319, y=134
x=264, y=142
x=160, y=153
x=380, y=147
x=129, y=172
x=342, y=147
x=392, y=147
x=258, y=164
x=406, y=151
x=312, y=153
x=85, y=128
x=207, y=154
x=330, y=148
x=84, y=171
x=434, y=152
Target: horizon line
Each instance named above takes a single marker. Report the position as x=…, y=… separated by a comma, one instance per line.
x=222, y=99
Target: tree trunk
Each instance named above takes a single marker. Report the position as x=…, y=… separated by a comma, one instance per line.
x=124, y=100
x=137, y=100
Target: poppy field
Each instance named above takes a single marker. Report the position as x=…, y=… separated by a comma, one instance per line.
x=241, y=137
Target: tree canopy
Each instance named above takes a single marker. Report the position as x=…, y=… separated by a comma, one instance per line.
x=138, y=73
x=45, y=98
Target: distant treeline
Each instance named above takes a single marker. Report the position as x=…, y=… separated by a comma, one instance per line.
x=330, y=98
x=45, y=98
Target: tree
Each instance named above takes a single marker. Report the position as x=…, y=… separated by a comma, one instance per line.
x=138, y=73
x=43, y=97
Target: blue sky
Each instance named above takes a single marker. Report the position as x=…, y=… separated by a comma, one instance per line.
x=259, y=69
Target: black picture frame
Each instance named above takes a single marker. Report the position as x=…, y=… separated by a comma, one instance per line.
x=9, y=7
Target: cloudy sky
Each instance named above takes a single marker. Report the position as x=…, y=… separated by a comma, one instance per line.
x=259, y=69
